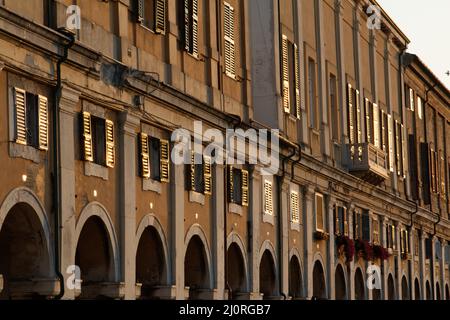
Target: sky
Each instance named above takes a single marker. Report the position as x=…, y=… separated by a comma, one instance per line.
x=427, y=25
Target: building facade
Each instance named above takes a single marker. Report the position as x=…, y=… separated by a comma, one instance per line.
x=92, y=205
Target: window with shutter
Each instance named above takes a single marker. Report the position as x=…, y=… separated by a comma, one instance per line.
x=428, y=248
x=357, y=233
x=99, y=145
x=140, y=10
x=319, y=205
x=334, y=109
x=345, y=215
x=340, y=220
x=419, y=108
x=297, y=81
x=368, y=109
x=398, y=148
x=245, y=194
x=351, y=115
x=230, y=55
x=336, y=220
x=191, y=26
x=389, y=236
x=20, y=116
x=164, y=160
x=160, y=16
x=87, y=137
x=376, y=231
x=194, y=35
x=207, y=175
x=191, y=173
x=433, y=170
x=295, y=214
x=144, y=155
x=32, y=119
x=376, y=125
x=391, y=142
x=384, y=132
x=110, y=147
x=43, y=122
x=358, y=117
x=230, y=185
x=268, y=198
x=393, y=237
x=411, y=99
x=425, y=167
x=402, y=242
x=416, y=244
x=285, y=75
x=312, y=93
x=413, y=174
x=442, y=185
x=365, y=220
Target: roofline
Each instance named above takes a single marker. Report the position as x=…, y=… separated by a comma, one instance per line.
x=392, y=23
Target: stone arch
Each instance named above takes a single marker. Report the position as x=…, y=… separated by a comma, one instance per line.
x=340, y=285
x=417, y=294
x=319, y=282
x=428, y=295
x=391, y=287
x=360, y=288
x=236, y=252
x=294, y=258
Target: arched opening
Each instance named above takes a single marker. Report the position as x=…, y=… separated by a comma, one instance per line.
x=267, y=280
x=391, y=288
x=405, y=289
x=438, y=292
x=94, y=257
x=319, y=288
x=417, y=295
x=359, y=285
x=339, y=283
x=447, y=293
x=24, y=259
x=196, y=270
x=236, y=276
x=428, y=291
x=295, y=278
x=150, y=263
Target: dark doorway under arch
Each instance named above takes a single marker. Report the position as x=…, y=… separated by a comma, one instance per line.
x=196, y=270
x=319, y=287
x=339, y=284
x=391, y=288
x=236, y=275
x=405, y=289
x=359, y=285
x=417, y=295
x=428, y=291
x=438, y=291
x=295, y=278
x=267, y=276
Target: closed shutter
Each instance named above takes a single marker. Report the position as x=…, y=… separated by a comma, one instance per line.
x=402, y=135
x=230, y=185
x=351, y=114
x=383, y=134
x=393, y=240
x=140, y=10
x=414, y=182
x=164, y=160
x=207, y=171
x=442, y=174
x=110, y=147
x=398, y=149
x=187, y=25
x=376, y=126
x=295, y=207
x=376, y=231
x=230, y=54
x=298, y=103
x=43, y=122
x=402, y=241
x=337, y=220
x=145, y=156
x=319, y=212
x=391, y=142
x=425, y=167
x=357, y=225
x=285, y=75
x=389, y=236
x=20, y=116
x=160, y=16
x=87, y=137
x=245, y=194
x=195, y=27
x=268, y=200
x=433, y=170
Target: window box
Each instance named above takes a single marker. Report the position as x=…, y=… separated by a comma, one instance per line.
x=321, y=235
x=345, y=246
x=364, y=249
x=380, y=252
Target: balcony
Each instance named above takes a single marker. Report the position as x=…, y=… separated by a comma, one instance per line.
x=368, y=162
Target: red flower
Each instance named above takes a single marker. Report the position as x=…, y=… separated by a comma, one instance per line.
x=349, y=246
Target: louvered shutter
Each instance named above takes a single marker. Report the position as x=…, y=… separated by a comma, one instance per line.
x=414, y=182
x=369, y=137
x=295, y=206
x=411, y=99
x=268, y=200
x=425, y=167
x=402, y=134
x=285, y=71
x=376, y=125
x=358, y=117
x=43, y=122
x=230, y=53
x=337, y=219
x=442, y=174
x=87, y=137
x=345, y=221
x=110, y=147
x=20, y=116
x=398, y=149
x=351, y=114
x=376, y=231
x=191, y=173
x=298, y=103
x=207, y=171
x=160, y=16
x=140, y=10
x=164, y=160
x=144, y=155
x=230, y=185
x=194, y=34
x=187, y=25
x=391, y=142
x=245, y=194
x=319, y=212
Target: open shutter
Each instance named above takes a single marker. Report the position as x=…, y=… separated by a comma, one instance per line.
x=110, y=147
x=230, y=53
x=195, y=27
x=403, y=140
x=144, y=154
x=245, y=194
x=391, y=142
x=411, y=99
x=295, y=207
x=164, y=160
x=20, y=116
x=140, y=10
x=358, y=117
x=160, y=16
x=351, y=114
x=319, y=212
x=207, y=171
x=187, y=26
x=397, y=148
x=191, y=173
x=369, y=136
x=376, y=126
x=230, y=185
x=87, y=137
x=298, y=103
x=43, y=123
x=442, y=174
x=268, y=200
x=285, y=73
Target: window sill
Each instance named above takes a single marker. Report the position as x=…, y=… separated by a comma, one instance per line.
x=26, y=152
x=95, y=170
x=151, y=185
x=195, y=56
x=295, y=226
x=235, y=208
x=268, y=218
x=292, y=117
x=196, y=197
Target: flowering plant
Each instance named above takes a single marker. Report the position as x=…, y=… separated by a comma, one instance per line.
x=380, y=252
x=364, y=247
x=349, y=246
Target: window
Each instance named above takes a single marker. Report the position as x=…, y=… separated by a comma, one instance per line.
x=399, y=145
x=268, y=197
x=419, y=108
x=433, y=171
x=410, y=98
x=354, y=115
x=199, y=178
x=442, y=183
x=238, y=186
x=190, y=25
x=425, y=167
x=376, y=231
x=438, y=250
x=391, y=236
x=416, y=244
x=341, y=221
x=312, y=93
x=152, y=14
x=376, y=126
x=428, y=248
x=31, y=119
x=404, y=241
x=390, y=139
x=230, y=54
x=154, y=158
x=290, y=75
x=295, y=207
x=361, y=225
x=447, y=253
x=368, y=110
x=320, y=219
x=98, y=140
x=334, y=109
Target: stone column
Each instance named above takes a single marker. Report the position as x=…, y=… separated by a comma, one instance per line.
x=331, y=249
x=255, y=218
x=422, y=259
x=219, y=245
x=284, y=229
x=398, y=271
x=442, y=270
x=308, y=240
x=69, y=101
x=385, y=264
x=412, y=263
x=351, y=275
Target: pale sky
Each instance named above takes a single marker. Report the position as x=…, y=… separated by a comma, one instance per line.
x=427, y=25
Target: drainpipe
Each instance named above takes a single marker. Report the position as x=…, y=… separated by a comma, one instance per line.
x=55, y=176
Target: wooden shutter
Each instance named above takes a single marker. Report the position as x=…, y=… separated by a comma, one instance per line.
x=285, y=73
x=160, y=16
x=144, y=155
x=245, y=194
x=356, y=225
x=191, y=173
x=295, y=207
x=87, y=137
x=376, y=126
x=393, y=240
x=369, y=135
x=442, y=174
x=43, y=122
x=419, y=108
x=411, y=99
x=383, y=132
x=351, y=114
x=140, y=10
x=207, y=174
x=110, y=147
x=391, y=142
x=365, y=221
x=230, y=184
x=319, y=212
x=433, y=170
x=376, y=231
x=398, y=149
x=403, y=155
x=413, y=175
x=20, y=116
x=268, y=198
x=194, y=27
x=298, y=103
x=230, y=53
x=358, y=117
x=402, y=242
x=336, y=220
x=425, y=167
x=187, y=25
x=164, y=157
x=345, y=221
